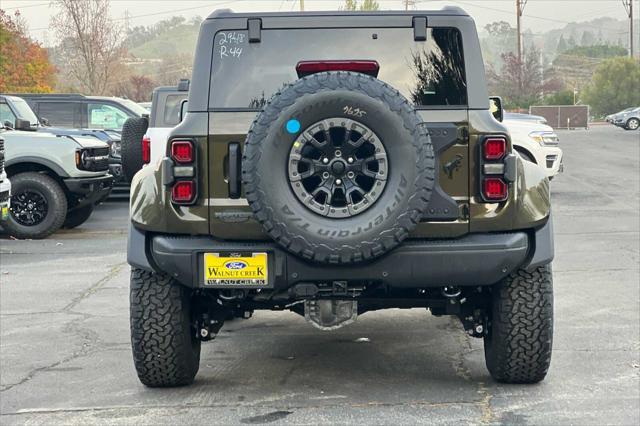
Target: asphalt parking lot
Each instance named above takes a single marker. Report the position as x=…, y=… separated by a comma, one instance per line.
x=65, y=353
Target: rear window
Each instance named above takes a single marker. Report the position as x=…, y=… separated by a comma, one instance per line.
x=430, y=73
x=172, y=109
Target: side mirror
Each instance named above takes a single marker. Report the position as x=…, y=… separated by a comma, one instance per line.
x=495, y=104
x=22, y=124
x=183, y=109
x=44, y=122
x=8, y=124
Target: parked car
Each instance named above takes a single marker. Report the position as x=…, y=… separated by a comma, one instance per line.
x=629, y=120
x=611, y=117
x=524, y=117
x=82, y=112
x=5, y=187
x=336, y=163
x=144, y=139
x=13, y=108
x=537, y=143
x=56, y=180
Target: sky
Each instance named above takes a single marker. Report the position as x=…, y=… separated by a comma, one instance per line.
x=539, y=15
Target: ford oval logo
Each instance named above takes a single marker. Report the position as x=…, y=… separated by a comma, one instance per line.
x=235, y=264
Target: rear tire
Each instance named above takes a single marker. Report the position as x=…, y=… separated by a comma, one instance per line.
x=45, y=194
x=633, y=124
x=131, y=145
x=77, y=217
x=165, y=350
x=518, y=344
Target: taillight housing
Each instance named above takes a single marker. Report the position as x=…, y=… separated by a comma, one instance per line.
x=494, y=148
x=369, y=67
x=183, y=192
x=182, y=152
x=146, y=150
x=183, y=171
x=494, y=189
x=496, y=168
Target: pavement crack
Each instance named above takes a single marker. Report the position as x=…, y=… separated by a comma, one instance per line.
x=89, y=338
x=95, y=287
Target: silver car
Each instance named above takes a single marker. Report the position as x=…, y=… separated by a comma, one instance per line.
x=629, y=119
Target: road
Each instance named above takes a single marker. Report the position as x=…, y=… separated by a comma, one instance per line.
x=65, y=352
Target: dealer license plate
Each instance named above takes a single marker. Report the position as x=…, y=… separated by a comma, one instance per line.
x=236, y=270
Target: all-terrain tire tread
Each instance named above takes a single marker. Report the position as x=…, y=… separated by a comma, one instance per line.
x=518, y=349
x=163, y=352
x=133, y=131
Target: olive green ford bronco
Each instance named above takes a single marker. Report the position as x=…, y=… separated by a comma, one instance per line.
x=333, y=164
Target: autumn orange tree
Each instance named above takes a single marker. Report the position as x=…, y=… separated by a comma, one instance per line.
x=24, y=64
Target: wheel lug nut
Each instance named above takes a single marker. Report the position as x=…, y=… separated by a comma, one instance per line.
x=350, y=175
x=325, y=160
x=325, y=175
x=338, y=181
x=338, y=153
x=350, y=160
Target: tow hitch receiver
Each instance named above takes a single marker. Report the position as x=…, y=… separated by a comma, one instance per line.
x=330, y=314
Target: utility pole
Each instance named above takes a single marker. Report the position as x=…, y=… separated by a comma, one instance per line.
x=628, y=6
x=520, y=4
x=127, y=17
x=301, y=5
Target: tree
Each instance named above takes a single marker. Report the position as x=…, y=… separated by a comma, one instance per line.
x=562, y=45
x=365, y=5
x=138, y=88
x=615, y=85
x=597, y=51
x=518, y=82
x=24, y=64
x=91, y=43
x=587, y=39
x=563, y=97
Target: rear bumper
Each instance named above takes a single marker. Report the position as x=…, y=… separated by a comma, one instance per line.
x=89, y=190
x=473, y=260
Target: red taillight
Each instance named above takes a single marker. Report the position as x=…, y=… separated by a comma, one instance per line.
x=494, y=189
x=304, y=68
x=495, y=148
x=182, y=151
x=183, y=192
x=146, y=150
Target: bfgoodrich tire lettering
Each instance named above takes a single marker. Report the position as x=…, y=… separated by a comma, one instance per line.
x=396, y=212
x=165, y=350
x=518, y=346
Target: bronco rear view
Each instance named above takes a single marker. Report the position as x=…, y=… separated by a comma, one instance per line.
x=332, y=164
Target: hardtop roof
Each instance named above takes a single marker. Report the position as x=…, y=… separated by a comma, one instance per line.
x=446, y=11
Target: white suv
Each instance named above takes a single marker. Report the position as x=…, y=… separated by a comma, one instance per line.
x=537, y=143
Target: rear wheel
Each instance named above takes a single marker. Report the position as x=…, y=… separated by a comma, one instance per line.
x=633, y=124
x=131, y=145
x=38, y=206
x=166, y=352
x=518, y=344
x=77, y=217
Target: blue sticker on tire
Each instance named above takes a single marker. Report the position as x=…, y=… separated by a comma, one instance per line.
x=293, y=126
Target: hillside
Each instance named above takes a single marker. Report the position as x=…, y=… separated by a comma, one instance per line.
x=173, y=41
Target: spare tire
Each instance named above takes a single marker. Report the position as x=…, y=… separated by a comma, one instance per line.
x=133, y=131
x=338, y=167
